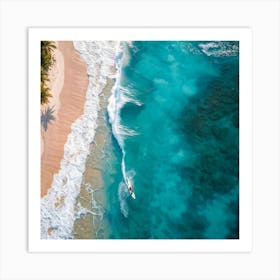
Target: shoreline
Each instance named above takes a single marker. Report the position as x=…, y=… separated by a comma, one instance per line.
x=61, y=206
x=92, y=193
x=68, y=83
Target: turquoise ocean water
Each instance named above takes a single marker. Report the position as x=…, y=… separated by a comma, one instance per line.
x=174, y=123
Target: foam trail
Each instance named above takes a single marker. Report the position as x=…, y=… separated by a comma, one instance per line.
x=58, y=207
x=123, y=195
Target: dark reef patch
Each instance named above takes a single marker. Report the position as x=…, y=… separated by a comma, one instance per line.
x=211, y=126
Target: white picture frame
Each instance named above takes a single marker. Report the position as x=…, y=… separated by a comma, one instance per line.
x=243, y=243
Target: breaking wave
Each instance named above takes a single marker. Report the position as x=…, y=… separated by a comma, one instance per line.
x=119, y=97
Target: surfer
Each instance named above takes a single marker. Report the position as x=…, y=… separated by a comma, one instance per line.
x=130, y=187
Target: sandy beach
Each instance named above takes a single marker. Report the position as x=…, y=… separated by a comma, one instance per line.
x=73, y=196
x=68, y=83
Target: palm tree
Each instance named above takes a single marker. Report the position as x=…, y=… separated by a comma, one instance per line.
x=45, y=93
x=47, y=60
x=44, y=75
x=48, y=45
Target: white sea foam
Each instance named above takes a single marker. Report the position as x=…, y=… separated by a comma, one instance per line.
x=96, y=208
x=58, y=207
x=219, y=48
x=123, y=196
x=119, y=97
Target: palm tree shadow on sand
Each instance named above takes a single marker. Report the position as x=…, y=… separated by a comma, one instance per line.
x=47, y=117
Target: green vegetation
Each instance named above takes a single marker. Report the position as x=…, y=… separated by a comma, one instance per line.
x=47, y=61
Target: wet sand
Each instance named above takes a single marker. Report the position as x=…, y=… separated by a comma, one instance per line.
x=68, y=82
x=92, y=195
